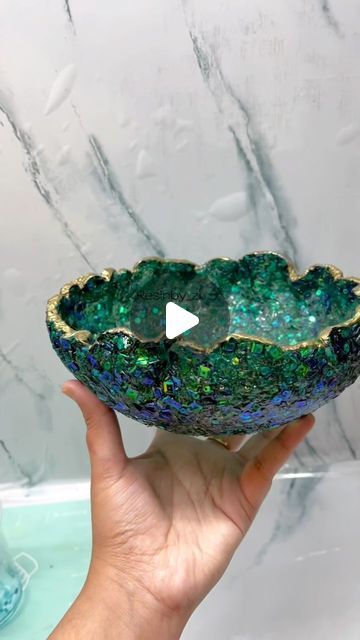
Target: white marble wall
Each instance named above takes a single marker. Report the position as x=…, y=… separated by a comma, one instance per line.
x=124, y=129
x=296, y=574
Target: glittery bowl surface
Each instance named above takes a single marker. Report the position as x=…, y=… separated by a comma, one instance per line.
x=284, y=346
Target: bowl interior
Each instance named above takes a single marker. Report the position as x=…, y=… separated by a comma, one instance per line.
x=261, y=299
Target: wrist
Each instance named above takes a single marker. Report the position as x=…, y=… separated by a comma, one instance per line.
x=110, y=607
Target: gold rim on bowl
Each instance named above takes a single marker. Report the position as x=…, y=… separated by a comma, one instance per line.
x=82, y=335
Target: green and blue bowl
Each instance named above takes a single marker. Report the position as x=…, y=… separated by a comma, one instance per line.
x=280, y=346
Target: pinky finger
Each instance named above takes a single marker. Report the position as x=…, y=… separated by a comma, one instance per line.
x=259, y=472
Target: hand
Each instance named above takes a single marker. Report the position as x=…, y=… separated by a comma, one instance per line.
x=166, y=523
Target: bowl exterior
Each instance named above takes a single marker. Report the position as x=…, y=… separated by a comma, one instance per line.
x=242, y=386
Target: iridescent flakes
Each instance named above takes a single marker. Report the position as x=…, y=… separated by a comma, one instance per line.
x=293, y=344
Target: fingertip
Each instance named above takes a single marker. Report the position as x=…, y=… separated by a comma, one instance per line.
x=75, y=389
x=306, y=422
x=103, y=437
x=67, y=386
x=295, y=432
x=311, y=420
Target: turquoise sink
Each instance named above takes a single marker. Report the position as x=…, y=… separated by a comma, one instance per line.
x=58, y=536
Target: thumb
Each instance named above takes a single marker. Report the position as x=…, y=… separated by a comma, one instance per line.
x=103, y=436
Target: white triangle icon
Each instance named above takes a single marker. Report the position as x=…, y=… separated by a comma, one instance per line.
x=178, y=320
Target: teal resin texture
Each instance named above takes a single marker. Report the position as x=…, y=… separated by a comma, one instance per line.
x=292, y=343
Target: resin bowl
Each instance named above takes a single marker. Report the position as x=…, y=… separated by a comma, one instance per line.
x=284, y=345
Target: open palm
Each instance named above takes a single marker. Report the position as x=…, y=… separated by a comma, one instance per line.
x=171, y=518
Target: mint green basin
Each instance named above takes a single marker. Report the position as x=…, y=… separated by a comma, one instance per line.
x=57, y=536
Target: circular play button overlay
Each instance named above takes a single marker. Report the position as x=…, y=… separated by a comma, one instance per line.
x=178, y=320
x=188, y=306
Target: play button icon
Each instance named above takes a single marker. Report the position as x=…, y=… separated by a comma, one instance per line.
x=178, y=320
x=175, y=300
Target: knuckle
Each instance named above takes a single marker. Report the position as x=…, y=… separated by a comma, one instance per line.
x=258, y=464
x=262, y=470
x=285, y=449
x=107, y=471
x=104, y=465
x=91, y=440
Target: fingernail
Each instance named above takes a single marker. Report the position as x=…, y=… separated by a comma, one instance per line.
x=306, y=415
x=63, y=388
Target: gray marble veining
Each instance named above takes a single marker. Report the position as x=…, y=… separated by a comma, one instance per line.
x=248, y=146
x=34, y=170
x=68, y=12
x=113, y=186
x=330, y=17
x=306, y=584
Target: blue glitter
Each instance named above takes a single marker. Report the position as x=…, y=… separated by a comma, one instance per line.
x=106, y=377
x=172, y=403
x=245, y=416
x=195, y=405
x=176, y=381
x=302, y=403
x=230, y=347
x=115, y=388
x=147, y=415
x=165, y=414
x=281, y=398
x=192, y=393
x=155, y=406
x=327, y=301
x=92, y=360
x=120, y=406
x=225, y=410
x=108, y=346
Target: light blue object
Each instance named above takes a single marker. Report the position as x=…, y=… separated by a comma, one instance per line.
x=58, y=535
x=10, y=584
